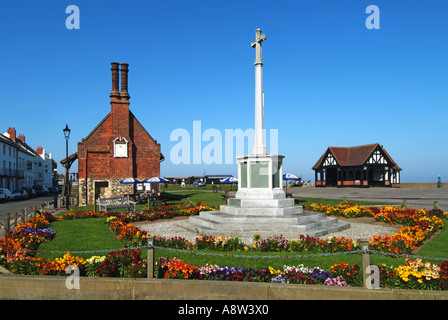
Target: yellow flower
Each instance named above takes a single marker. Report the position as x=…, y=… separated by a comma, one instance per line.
x=273, y=271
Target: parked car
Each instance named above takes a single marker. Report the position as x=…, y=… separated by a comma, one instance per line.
x=31, y=192
x=53, y=190
x=25, y=193
x=41, y=190
x=20, y=194
x=6, y=194
x=45, y=190
x=198, y=183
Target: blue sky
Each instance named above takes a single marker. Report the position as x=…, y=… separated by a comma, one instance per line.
x=328, y=80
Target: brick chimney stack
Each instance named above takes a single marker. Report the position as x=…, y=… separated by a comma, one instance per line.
x=115, y=77
x=40, y=150
x=124, y=81
x=119, y=102
x=12, y=133
x=123, y=95
x=22, y=137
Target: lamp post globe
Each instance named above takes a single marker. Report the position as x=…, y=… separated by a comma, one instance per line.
x=66, y=131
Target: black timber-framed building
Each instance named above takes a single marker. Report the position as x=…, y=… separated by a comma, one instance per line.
x=360, y=166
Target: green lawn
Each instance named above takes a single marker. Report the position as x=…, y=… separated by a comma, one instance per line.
x=195, y=195
x=80, y=235
x=92, y=234
x=178, y=195
x=437, y=247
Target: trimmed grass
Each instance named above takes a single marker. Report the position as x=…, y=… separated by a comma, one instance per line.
x=199, y=194
x=92, y=234
x=80, y=235
x=207, y=187
x=176, y=197
x=195, y=195
x=437, y=247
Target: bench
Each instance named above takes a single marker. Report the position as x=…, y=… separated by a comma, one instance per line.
x=153, y=200
x=115, y=203
x=228, y=195
x=216, y=188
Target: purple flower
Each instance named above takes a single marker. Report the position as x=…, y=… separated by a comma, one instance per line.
x=47, y=232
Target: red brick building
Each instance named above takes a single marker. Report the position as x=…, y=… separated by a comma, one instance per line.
x=119, y=147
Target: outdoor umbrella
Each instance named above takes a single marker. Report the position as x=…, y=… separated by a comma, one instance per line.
x=289, y=176
x=229, y=180
x=156, y=180
x=130, y=181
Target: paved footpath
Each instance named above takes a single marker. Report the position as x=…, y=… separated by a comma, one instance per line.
x=416, y=197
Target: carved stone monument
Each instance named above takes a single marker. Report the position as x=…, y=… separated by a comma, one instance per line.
x=260, y=205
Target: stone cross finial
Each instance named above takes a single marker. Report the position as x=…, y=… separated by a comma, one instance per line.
x=259, y=38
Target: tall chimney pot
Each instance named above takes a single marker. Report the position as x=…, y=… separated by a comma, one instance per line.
x=124, y=81
x=114, y=79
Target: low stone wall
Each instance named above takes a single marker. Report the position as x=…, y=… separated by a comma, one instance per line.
x=92, y=288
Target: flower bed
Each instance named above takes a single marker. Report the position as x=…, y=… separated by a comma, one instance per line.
x=419, y=225
x=119, y=223
x=415, y=274
x=119, y=263
x=126, y=232
x=162, y=212
x=173, y=268
x=18, y=248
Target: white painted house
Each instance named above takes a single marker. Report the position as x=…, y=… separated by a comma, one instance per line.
x=22, y=166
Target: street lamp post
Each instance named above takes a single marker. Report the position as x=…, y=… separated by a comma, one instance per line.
x=66, y=131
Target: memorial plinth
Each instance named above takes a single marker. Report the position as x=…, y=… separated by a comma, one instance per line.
x=260, y=205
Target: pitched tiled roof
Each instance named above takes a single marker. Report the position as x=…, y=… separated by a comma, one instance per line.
x=353, y=156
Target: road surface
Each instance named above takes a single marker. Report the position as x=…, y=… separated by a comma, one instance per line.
x=15, y=206
x=416, y=197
